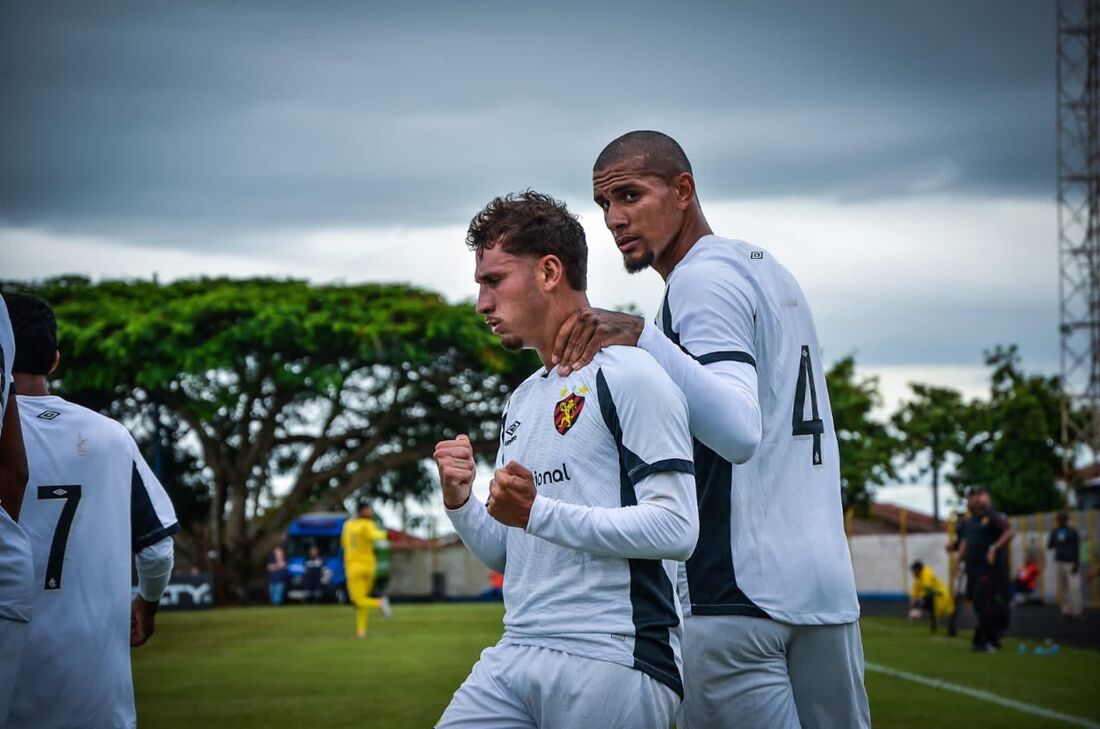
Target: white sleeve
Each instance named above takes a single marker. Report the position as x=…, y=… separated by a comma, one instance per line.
x=647, y=418
x=714, y=361
x=154, y=569
x=486, y=537
x=663, y=525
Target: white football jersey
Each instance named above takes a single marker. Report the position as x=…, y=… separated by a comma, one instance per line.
x=16, y=594
x=91, y=502
x=771, y=531
x=605, y=436
x=7, y=358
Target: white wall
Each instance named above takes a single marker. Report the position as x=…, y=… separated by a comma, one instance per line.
x=879, y=565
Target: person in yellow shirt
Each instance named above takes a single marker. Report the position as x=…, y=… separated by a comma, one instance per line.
x=360, y=565
x=929, y=593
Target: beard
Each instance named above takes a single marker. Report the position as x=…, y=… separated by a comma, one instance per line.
x=638, y=264
x=511, y=342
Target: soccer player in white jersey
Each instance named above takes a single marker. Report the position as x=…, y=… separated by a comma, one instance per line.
x=91, y=502
x=591, y=503
x=16, y=571
x=771, y=637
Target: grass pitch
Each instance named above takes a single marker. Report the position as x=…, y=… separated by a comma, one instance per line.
x=303, y=667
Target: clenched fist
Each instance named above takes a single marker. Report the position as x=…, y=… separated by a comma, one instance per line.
x=511, y=494
x=455, y=461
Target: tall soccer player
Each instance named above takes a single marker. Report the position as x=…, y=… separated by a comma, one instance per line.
x=16, y=568
x=91, y=503
x=591, y=502
x=361, y=565
x=772, y=634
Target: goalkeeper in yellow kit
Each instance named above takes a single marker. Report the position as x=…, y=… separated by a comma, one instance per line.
x=360, y=565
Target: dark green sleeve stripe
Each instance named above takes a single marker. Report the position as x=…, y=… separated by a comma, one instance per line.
x=643, y=470
x=151, y=539
x=145, y=525
x=727, y=357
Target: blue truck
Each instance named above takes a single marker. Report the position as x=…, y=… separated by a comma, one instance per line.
x=323, y=531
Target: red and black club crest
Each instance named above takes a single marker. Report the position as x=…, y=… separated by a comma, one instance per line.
x=567, y=411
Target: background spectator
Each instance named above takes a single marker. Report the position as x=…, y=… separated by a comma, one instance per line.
x=1066, y=543
x=277, y=576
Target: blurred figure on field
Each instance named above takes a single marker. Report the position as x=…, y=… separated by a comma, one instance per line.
x=496, y=586
x=277, y=576
x=928, y=595
x=984, y=551
x=361, y=565
x=315, y=565
x=1066, y=543
x=1027, y=579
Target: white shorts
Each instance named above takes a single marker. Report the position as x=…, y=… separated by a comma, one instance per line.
x=747, y=672
x=516, y=686
x=13, y=636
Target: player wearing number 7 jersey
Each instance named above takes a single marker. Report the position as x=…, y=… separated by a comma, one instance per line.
x=771, y=637
x=90, y=503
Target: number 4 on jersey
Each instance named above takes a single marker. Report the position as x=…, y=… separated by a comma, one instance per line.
x=815, y=426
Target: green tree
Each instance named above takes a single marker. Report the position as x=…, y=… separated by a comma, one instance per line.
x=1013, y=439
x=270, y=398
x=932, y=426
x=866, y=446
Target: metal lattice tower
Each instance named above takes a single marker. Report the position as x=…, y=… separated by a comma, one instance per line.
x=1079, y=223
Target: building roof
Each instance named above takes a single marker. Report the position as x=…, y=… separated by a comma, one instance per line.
x=886, y=519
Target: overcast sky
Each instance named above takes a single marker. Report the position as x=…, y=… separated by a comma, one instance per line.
x=897, y=157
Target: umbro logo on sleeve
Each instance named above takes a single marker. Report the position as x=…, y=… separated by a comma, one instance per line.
x=48, y=414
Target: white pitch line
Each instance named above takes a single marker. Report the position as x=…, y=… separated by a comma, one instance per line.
x=983, y=696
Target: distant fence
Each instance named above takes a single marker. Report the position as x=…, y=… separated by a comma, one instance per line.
x=448, y=571
x=881, y=561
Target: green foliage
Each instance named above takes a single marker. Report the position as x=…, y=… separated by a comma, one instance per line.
x=866, y=446
x=931, y=424
x=328, y=390
x=1013, y=441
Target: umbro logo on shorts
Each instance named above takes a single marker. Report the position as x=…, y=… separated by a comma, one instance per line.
x=757, y=255
x=48, y=414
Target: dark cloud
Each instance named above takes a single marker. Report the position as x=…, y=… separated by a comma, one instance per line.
x=180, y=121
x=931, y=332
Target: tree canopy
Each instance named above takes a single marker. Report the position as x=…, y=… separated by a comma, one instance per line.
x=1013, y=440
x=264, y=398
x=932, y=425
x=867, y=447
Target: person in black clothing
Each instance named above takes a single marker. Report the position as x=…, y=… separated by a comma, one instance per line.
x=314, y=566
x=983, y=548
x=1066, y=543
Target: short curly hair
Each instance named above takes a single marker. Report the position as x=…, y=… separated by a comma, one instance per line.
x=532, y=224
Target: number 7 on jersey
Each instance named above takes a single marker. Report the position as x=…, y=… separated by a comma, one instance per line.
x=56, y=560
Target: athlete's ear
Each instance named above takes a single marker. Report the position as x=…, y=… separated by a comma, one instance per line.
x=683, y=185
x=550, y=272
x=56, y=361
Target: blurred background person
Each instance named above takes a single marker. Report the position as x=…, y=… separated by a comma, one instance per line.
x=983, y=549
x=277, y=576
x=1066, y=543
x=928, y=595
x=361, y=565
x=314, y=565
x=1027, y=579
